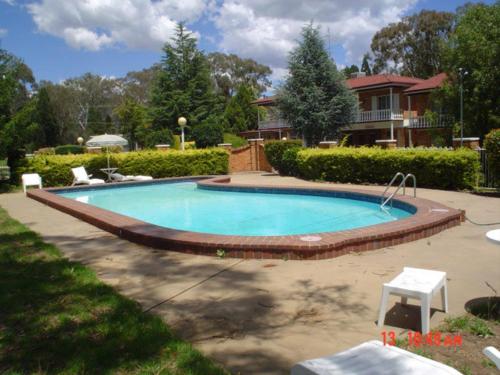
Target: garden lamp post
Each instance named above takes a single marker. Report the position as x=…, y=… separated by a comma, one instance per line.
x=461, y=73
x=79, y=140
x=182, y=123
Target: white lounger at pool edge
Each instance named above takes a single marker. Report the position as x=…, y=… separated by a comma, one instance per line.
x=372, y=358
x=117, y=177
x=82, y=178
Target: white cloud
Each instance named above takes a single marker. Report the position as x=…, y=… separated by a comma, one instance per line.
x=96, y=24
x=268, y=30
x=3, y=32
x=10, y=2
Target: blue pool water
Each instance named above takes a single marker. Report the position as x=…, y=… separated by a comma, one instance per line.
x=182, y=205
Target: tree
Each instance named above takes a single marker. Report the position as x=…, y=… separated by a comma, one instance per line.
x=413, y=46
x=230, y=71
x=240, y=114
x=208, y=134
x=46, y=119
x=138, y=85
x=365, y=64
x=314, y=99
x=183, y=86
x=349, y=70
x=132, y=119
x=475, y=48
x=15, y=78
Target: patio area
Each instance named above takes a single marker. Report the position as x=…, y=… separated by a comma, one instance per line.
x=262, y=316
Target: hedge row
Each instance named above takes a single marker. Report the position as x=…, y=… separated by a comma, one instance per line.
x=492, y=145
x=275, y=151
x=441, y=169
x=56, y=169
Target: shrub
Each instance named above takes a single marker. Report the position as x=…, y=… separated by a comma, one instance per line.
x=235, y=140
x=441, y=169
x=275, y=151
x=69, y=149
x=157, y=137
x=492, y=146
x=208, y=134
x=56, y=170
x=45, y=151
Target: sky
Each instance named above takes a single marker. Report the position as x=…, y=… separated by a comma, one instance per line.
x=60, y=39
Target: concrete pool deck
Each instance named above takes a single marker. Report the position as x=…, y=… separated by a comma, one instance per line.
x=262, y=316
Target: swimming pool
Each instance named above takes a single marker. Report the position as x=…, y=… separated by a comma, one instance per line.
x=199, y=215
x=185, y=206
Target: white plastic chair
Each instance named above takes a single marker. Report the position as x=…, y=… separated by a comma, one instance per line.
x=31, y=179
x=82, y=178
x=493, y=354
x=373, y=358
x=416, y=283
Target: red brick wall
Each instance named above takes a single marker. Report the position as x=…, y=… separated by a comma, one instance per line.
x=249, y=158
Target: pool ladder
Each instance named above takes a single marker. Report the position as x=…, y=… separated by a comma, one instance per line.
x=385, y=200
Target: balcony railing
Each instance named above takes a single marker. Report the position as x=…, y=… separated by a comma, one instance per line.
x=379, y=115
x=273, y=124
x=440, y=121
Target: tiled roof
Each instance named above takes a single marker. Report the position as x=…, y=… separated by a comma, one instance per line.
x=381, y=79
x=265, y=100
x=428, y=84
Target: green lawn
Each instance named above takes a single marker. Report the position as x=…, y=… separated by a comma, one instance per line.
x=57, y=317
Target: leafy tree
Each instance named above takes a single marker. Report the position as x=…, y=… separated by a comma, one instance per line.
x=138, y=85
x=208, y=134
x=15, y=78
x=132, y=119
x=365, y=64
x=348, y=70
x=230, y=71
x=240, y=114
x=183, y=86
x=46, y=118
x=475, y=48
x=314, y=99
x=413, y=46
x=158, y=137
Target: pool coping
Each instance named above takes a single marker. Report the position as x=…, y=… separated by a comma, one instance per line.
x=430, y=218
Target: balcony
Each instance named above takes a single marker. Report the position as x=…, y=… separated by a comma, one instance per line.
x=379, y=115
x=273, y=124
x=422, y=122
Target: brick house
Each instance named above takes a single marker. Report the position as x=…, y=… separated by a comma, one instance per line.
x=391, y=111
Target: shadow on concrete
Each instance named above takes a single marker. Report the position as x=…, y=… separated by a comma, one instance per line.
x=406, y=316
x=226, y=307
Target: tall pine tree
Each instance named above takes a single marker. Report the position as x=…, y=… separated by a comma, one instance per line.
x=314, y=99
x=46, y=119
x=365, y=65
x=240, y=114
x=183, y=86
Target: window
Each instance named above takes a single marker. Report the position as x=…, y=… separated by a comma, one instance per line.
x=383, y=102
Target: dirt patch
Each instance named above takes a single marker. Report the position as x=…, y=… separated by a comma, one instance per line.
x=467, y=357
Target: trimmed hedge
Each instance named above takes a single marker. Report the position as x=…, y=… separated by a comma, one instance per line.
x=441, y=169
x=69, y=149
x=275, y=151
x=56, y=170
x=492, y=146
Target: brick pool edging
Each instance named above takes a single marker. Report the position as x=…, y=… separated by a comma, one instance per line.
x=430, y=218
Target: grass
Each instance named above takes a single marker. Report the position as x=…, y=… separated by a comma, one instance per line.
x=57, y=317
x=466, y=323
x=235, y=140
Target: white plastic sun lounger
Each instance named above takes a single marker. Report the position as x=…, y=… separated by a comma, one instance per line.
x=117, y=177
x=493, y=354
x=82, y=178
x=372, y=358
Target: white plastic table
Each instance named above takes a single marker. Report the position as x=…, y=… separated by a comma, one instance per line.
x=416, y=283
x=373, y=358
x=31, y=179
x=494, y=236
